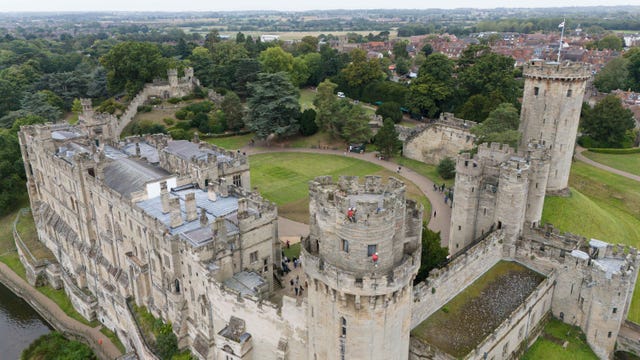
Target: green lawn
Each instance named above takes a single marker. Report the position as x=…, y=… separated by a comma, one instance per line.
x=603, y=206
x=549, y=344
x=60, y=298
x=292, y=251
x=426, y=170
x=306, y=99
x=114, y=339
x=625, y=162
x=284, y=178
x=231, y=142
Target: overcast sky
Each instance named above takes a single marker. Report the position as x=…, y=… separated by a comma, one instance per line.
x=224, y=5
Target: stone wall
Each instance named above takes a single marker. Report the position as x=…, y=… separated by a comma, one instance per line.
x=446, y=137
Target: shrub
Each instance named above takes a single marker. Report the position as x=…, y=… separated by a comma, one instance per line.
x=174, y=100
x=447, y=168
x=182, y=114
x=145, y=108
x=308, y=124
x=188, y=97
x=169, y=121
x=154, y=101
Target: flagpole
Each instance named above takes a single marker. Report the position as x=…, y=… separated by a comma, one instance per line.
x=561, y=35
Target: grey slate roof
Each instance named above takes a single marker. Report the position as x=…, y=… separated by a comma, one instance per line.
x=245, y=282
x=146, y=151
x=192, y=231
x=187, y=150
x=128, y=175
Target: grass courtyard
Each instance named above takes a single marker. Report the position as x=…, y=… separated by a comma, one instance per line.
x=625, y=162
x=554, y=335
x=284, y=178
x=465, y=321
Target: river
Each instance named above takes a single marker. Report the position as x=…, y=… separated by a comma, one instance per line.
x=20, y=324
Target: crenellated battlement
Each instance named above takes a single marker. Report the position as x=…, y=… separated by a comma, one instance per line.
x=514, y=170
x=566, y=71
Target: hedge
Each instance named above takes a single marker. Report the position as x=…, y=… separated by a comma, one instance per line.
x=615, y=151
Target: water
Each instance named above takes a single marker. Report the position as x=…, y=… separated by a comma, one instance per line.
x=20, y=325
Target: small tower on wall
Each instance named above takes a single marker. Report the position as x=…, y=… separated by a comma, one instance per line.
x=360, y=258
x=551, y=106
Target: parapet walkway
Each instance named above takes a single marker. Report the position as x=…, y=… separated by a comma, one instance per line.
x=584, y=159
x=440, y=222
x=51, y=312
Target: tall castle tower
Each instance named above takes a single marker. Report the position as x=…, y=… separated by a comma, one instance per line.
x=360, y=306
x=550, y=113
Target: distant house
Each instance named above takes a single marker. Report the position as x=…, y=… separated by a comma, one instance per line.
x=269, y=38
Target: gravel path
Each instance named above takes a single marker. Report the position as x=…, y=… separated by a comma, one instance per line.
x=440, y=222
x=584, y=159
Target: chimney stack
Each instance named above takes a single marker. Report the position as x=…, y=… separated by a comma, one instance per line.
x=190, y=206
x=176, y=215
x=211, y=191
x=224, y=188
x=164, y=197
x=219, y=229
x=204, y=221
x=243, y=206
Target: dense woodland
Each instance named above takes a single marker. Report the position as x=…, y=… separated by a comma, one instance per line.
x=45, y=69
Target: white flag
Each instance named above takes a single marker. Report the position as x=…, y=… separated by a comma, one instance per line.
x=561, y=25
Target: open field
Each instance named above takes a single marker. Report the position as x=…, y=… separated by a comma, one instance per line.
x=465, y=321
x=298, y=35
x=554, y=335
x=231, y=142
x=307, y=95
x=625, y=162
x=284, y=179
x=603, y=206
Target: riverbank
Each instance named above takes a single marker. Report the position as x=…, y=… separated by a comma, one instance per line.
x=51, y=312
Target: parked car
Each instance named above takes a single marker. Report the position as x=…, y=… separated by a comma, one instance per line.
x=340, y=94
x=357, y=148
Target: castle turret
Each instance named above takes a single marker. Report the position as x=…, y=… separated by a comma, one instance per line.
x=551, y=106
x=465, y=207
x=172, y=75
x=538, y=159
x=360, y=258
x=512, y=198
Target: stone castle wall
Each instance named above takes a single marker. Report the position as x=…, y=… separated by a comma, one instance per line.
x=446, y=137
x=444, y=284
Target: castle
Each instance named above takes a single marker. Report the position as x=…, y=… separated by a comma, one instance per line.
x=173, y=226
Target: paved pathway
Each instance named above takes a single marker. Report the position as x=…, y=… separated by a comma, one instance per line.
x=582, y=158
x=442, y=211
x=21, y=288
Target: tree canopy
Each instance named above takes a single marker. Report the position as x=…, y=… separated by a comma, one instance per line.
x=387, y=139
x=500, y=126
x=273, y=106
x=607, y=123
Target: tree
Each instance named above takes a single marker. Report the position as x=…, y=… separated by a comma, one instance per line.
x=274, y=60
x=356, y=123
x=246, y=71
x=387, y=139
x=390, y=110
x=432, y=255
x=400, y=49
x=500, y=126
x=327, y=108
x=607, y=123
x=611, y=41
x=633, y=56
x=273, y=106
x=233, y=111
x=308, y=44
x=615, y=75
x=427, y=49
x=308, y=124
x=131, y=64
x=447, y=168
x=361, y=71
x=433, y=89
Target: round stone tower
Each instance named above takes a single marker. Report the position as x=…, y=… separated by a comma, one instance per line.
x=360, y=268
x=465, y=209
x=551, y=105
